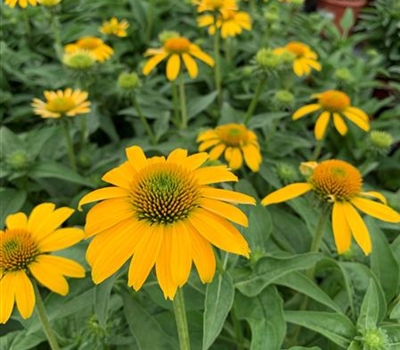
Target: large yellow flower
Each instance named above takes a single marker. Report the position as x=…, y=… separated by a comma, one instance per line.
x=304, y=58
x=337, y=104
x=215, y=5
x=59, y=103
x=21, y=3
x=114, y=27
x=236, y=142
x=163, y=212
x=96, y=46
x=177, y=49
x=24, y=254
x=340, y=183
x=230, y=22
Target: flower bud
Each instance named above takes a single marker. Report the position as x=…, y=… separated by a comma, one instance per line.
x=286, y=172
x=307, y=168
x=283, y=99
x=343, y=75
x=18, y=160
x=265, y=58
x=375, y=339
x=79, y=60
x=166, y=35
x=380, y=141
x=128, y=81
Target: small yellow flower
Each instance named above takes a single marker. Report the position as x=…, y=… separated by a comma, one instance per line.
x=305, y=58
x=113, y=27
x=24, y=254
x=236, y=142
x=21, y=3
x=62, y=103
x=49, y=3
x=340, y=183
x=215, y=5
x=96, y=46
x=177, y=49
x=337, y=104
x=230, y=22
x=163, y=212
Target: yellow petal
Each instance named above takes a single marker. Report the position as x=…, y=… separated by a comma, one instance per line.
x=173, y=66
x=103, y=193
x=181, y=253
x=227, y=195
x=286, y=193
x=18, y=220
x=235, y=158
x=321, y=124
x=63, y=266
x=339, y=123
x=195, y=161
x=356, y=119
x=153, y=62
x=298, y=68
x=190, y=64
x=377, y=210
x=120, y=176
x=136, y=157
x=207, y=144
x=252, y=157
x=214, y=174
x=7, y=288
x=357, y=227
x=228, y=211
x=177, y=156
x=24, y=294
x=195, y=51
x=216, y=152
x=303, y=111
x=207, y=135
x=376, y=195
x=359, y=112
x=341, y=230
x=61, y=239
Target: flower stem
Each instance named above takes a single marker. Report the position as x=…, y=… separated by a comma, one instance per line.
x=70, y=149
x=317, y=150
x=55, y=28
x=175, y=102
x=182, y=98
x=181, y=321
x=44, y=320
x=144, y=121
x=150, y=16
x=254, y=101
x=217, y=74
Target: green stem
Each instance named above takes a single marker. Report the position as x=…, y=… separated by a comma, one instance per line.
x=150, y=17
x=144, y=121
x=254, y=101
x=175, y=103
x=317, y=150
x=70, y=149
x=181, y=321
x=217, y=44
x=83, y=131
x=228, y=51
x=44, y=320
x=55, y=28
x=182, y=98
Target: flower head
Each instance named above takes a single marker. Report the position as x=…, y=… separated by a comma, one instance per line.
x=24, y=254
x=305, y=58
x=215, y=5
x=176, y=50
x=96, y=46
x=21, y=3
x=236, y=142
x=79, y=60
x=128, y=81
x=163, y=212
x=338, y=105
x=62, y=103
x=114, y=27
x=339, y=183
x=230, y=22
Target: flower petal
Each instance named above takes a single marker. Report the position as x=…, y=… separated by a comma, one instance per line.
x=339, y=123
x=214, y=174
x=153, y=62
x=303, y=111
x=226, y=210
x=103, y=193
x=235, y=157
x=15, y=221
x=190, y=64
x=252, y=157
x=8, y=285
x=61, y=239
x=321, y=124
x=377, y=210
x=286, y=193
x=181, y=253
x=195, y=161
x=136, y=157
x=376, y=195
x=227, y=195
x=24, y=294
x=341, y=229
x=173, y=66
x=358, y=120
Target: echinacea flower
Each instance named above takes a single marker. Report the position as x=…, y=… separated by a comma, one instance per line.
x=340, y=183
x=215, y=5
x=24, y=254
x=163, y=212
x=305, y=59
x=114, y=27
x=21, y=3
x=96, y=46
x=177, y=49
x=236, y=142
x=62, y=103
x=230, y=22
x=337, y=104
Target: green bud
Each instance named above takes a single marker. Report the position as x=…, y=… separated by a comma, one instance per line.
x=128, y=81
x=343, y=75
x=283, y=99
x=286, y=172
x=265, y=58
x=375, y=339
x=248, y=71
x=287, y=57
x=79, y=60
x=380, y=141
x=167, y=34
x=18, y=160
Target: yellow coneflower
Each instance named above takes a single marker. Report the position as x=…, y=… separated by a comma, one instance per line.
x=176, y=50
x=215, y=5
x=24, y=254
x=236, y=142
x=337, y=104
x=21, y=3
x=62, y=103
x=115, y=27
x=340, y=183
x=163, y=212
x=96, y=46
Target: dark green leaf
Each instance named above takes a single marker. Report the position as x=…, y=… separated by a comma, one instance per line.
x=370, y=314
x=102, y=293
x=199, y=104
x=11, y=202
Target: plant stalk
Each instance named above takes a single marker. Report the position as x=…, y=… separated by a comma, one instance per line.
x=181, y=321
x=144, y=121
x=217, y=44
x=70, y=149
x=254, y=101
x=182, y=98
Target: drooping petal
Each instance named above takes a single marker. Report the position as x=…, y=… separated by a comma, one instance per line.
x=214, y=174
x=24, y=294
x=252, y=157
x=356, y=119
x=216, y=152
x=153, y=62
x=207, y=144
x=195, y=51
x=190, y=64
x=60, y=239
x=7, y=288
x=377, y=210
x=227, y=195
x=235, y=158
x=298, y=68
x=181, y=253
x=103, y=193
x=303, y=111
x=226, y=210
x=63, y=266
x=374, y=194
x=286, y=193
x=341, y=229
x=359, y=112
x=339, y=123
x=321, y=124
x=173, y=66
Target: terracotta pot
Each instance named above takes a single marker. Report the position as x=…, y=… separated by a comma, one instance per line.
x=338, y=7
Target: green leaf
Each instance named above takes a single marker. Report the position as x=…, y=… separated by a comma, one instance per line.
x=161, y=124
x=264, y=313
x=199, y=104
x=144, y=327
x=269, y=269
x=45, y=169
x=218, y=302
x=395, y=314
x=102, y=294
x=393, y=333
x=36, y=139
x=19, y=341
x=11, y=202
x=9, y=141
x=347, y=21
x=304, y=348
x=370, y=314
x=336, y=327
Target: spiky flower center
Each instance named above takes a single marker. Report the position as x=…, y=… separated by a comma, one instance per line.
x=60, y=104
x=164, y=193
x=177, y=45
x=232, y=134
x=334, y=101
x=89, y=43
x=17, y=249
x=298, y=49
x=336, y=180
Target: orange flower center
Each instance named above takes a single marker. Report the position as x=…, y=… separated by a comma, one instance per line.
x=89, y=43
x=232, y=134
x=60, y=104
x=298, y=49
x=336, y=180
x=177, y=45
x=334, y=101
x=17, y=250
x=164, y=193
